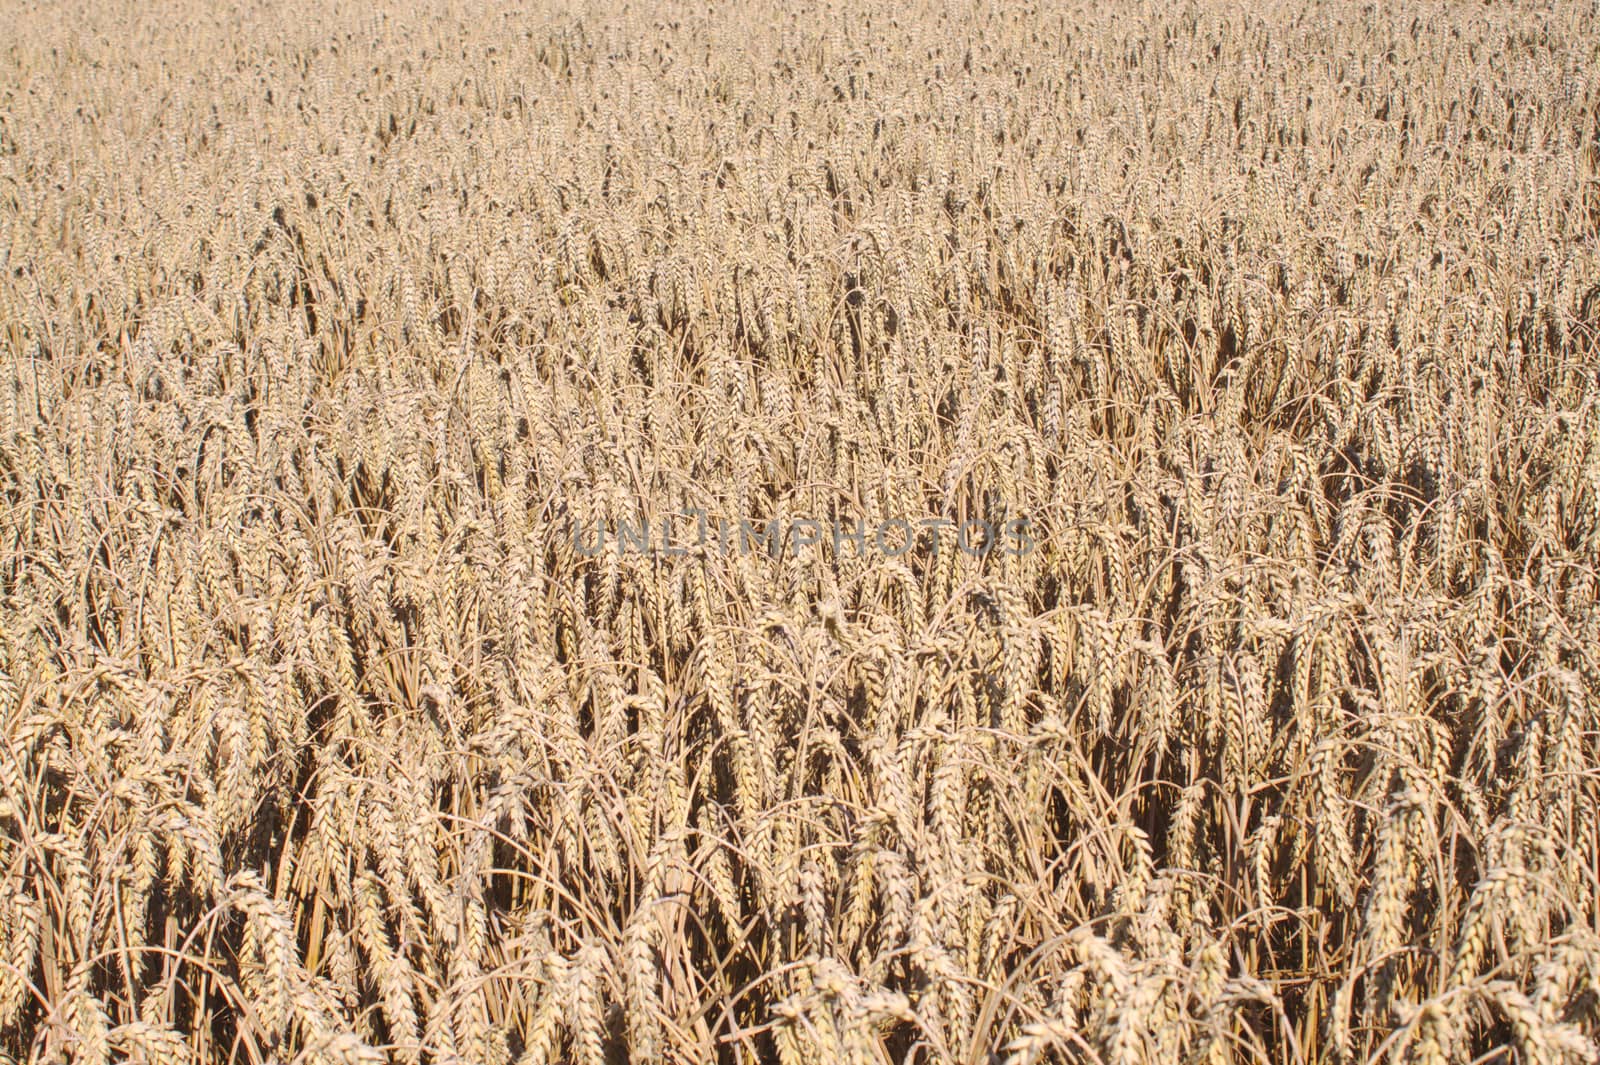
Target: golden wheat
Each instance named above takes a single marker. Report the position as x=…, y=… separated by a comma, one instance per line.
x=488, y=568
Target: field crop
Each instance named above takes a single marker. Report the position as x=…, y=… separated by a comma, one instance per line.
x=332, y=336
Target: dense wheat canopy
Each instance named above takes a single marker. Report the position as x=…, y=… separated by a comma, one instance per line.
x=327, y=737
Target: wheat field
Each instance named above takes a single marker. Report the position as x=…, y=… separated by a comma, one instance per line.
x=347, y=719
